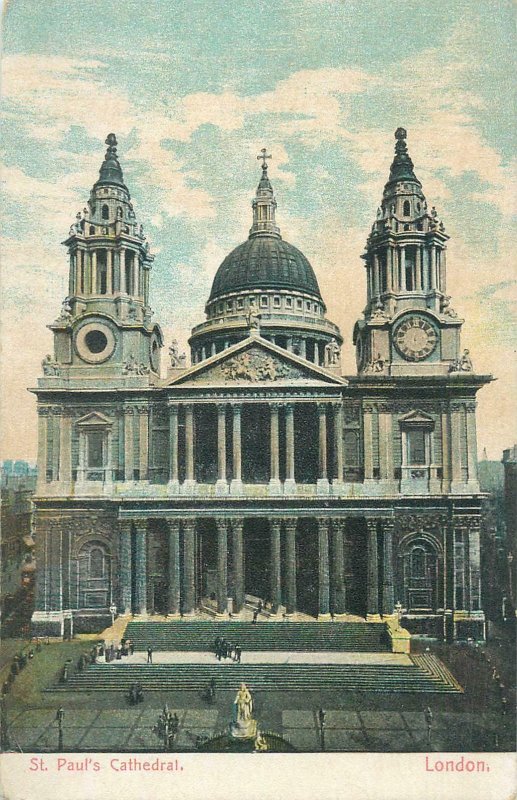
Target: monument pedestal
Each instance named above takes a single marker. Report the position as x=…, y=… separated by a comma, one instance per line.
x=244, y=729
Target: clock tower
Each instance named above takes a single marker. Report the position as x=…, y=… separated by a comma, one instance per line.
x=409, y=327
x=105, y=327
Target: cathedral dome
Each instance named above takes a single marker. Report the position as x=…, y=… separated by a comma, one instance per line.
x=265, y=262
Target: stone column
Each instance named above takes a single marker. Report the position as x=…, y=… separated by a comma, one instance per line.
x=189, y=567
x=109, y=271
x=372, y=589
x=402, y=268
x=389, y=268
x=323, y=481
x=125, y=567
x=274, y=474
x=338, y=443
x=136, y=266
x=56, y=437
x=128, y=444
x=290, y=567
x=238, y=562
x=368, y=441
x=388, y=597
x=338, y=564
x=276, y=578
x=141, y=568
x=303, y=347
x=432, y=256
x=236, y=484
x=471, y=442
x=42, y=446
x=456, y=410
x=65, y=449
x=221, y=486
x=474, y=566
x=316, y=352
x=222, y=565
x=93, y=275
x=385, y=443
x=189, y=446
x=323, y=572
x=376, y=281
x=419, y=283
x=173, y=449
x=122, y=270
x=290, y=484
x=143, y=413
x=174, y=566
x=446, y=454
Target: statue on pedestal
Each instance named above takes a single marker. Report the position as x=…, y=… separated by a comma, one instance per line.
x=243, y=725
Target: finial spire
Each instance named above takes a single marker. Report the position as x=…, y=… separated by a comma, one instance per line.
x=110, y=171
x=402, y=166
x=264, y=204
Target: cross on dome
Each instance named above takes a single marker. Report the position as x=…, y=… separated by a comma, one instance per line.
x=264, y=156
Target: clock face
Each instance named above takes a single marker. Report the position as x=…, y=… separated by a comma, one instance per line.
x=415, y=338
x=95, y=342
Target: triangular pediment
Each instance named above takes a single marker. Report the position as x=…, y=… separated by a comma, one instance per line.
x=416, y=418
x=94, y=419
x=252, y=362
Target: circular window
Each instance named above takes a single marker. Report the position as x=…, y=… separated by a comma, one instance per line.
x=95, y=341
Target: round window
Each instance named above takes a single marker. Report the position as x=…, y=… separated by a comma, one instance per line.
x=96, y=341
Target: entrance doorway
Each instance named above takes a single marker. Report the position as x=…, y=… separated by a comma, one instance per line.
x=257, y=557
x=160, y=596
x=307, y=567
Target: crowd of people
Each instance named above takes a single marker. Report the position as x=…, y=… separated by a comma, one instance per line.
x=167, y=727
x=18, y=663
x=224, y=649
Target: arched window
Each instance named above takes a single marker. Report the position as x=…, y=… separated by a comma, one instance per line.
x=105, y=212
x=418, y=562
x=92, y=230
x=406, y=208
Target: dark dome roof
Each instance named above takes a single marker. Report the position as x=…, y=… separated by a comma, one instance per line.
x=265, y=262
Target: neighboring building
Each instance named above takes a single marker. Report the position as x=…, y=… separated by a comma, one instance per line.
x=260, y=470
x=510, y=507
x=493, y=538
x=18, y=482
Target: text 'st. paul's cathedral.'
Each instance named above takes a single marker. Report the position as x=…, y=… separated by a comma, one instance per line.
x=260, y=471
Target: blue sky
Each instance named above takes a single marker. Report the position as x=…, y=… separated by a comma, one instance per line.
x=194, y=89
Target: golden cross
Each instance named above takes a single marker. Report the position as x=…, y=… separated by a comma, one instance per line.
x=264, y=156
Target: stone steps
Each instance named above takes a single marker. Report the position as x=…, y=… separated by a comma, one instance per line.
x=258, y=677
x=307, y=636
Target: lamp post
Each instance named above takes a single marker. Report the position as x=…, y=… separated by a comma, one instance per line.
x=398, y=609
x=509, y=559
x=60, y=713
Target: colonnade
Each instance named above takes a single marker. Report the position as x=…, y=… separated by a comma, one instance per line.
x=329, y=571
x=325, y=419
x=124, y=272
x=387, y=270
x=304, y=346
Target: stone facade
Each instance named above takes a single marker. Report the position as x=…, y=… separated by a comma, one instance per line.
x=260, y=469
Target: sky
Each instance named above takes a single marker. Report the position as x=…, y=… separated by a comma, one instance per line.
x=193, y=91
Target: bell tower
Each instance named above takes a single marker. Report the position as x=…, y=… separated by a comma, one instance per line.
x=105, y=322
x=409, y=327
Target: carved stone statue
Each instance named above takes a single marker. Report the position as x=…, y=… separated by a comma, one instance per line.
x=130, y=366
x=332, y=353
x=463, y=364
x=50, y=367
x=177, y=361
x=243, y=704
x=253, y=319
x=66, y=311
x=445, y=307
x=376, y=365
x=132, y=311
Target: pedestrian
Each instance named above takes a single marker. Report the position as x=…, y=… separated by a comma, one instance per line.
x=255, y=615
x=224, y=646
x=149, y=655
x=429, y=723
x=238, y=653
x=260, y=606
x=217, y=644
x=131, y=648
x=321, y=717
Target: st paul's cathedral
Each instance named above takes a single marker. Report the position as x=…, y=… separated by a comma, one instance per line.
x=256, y=469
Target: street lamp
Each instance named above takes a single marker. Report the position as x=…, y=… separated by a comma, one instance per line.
x=60, y=713
x=398, y=609
x=509, y=559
